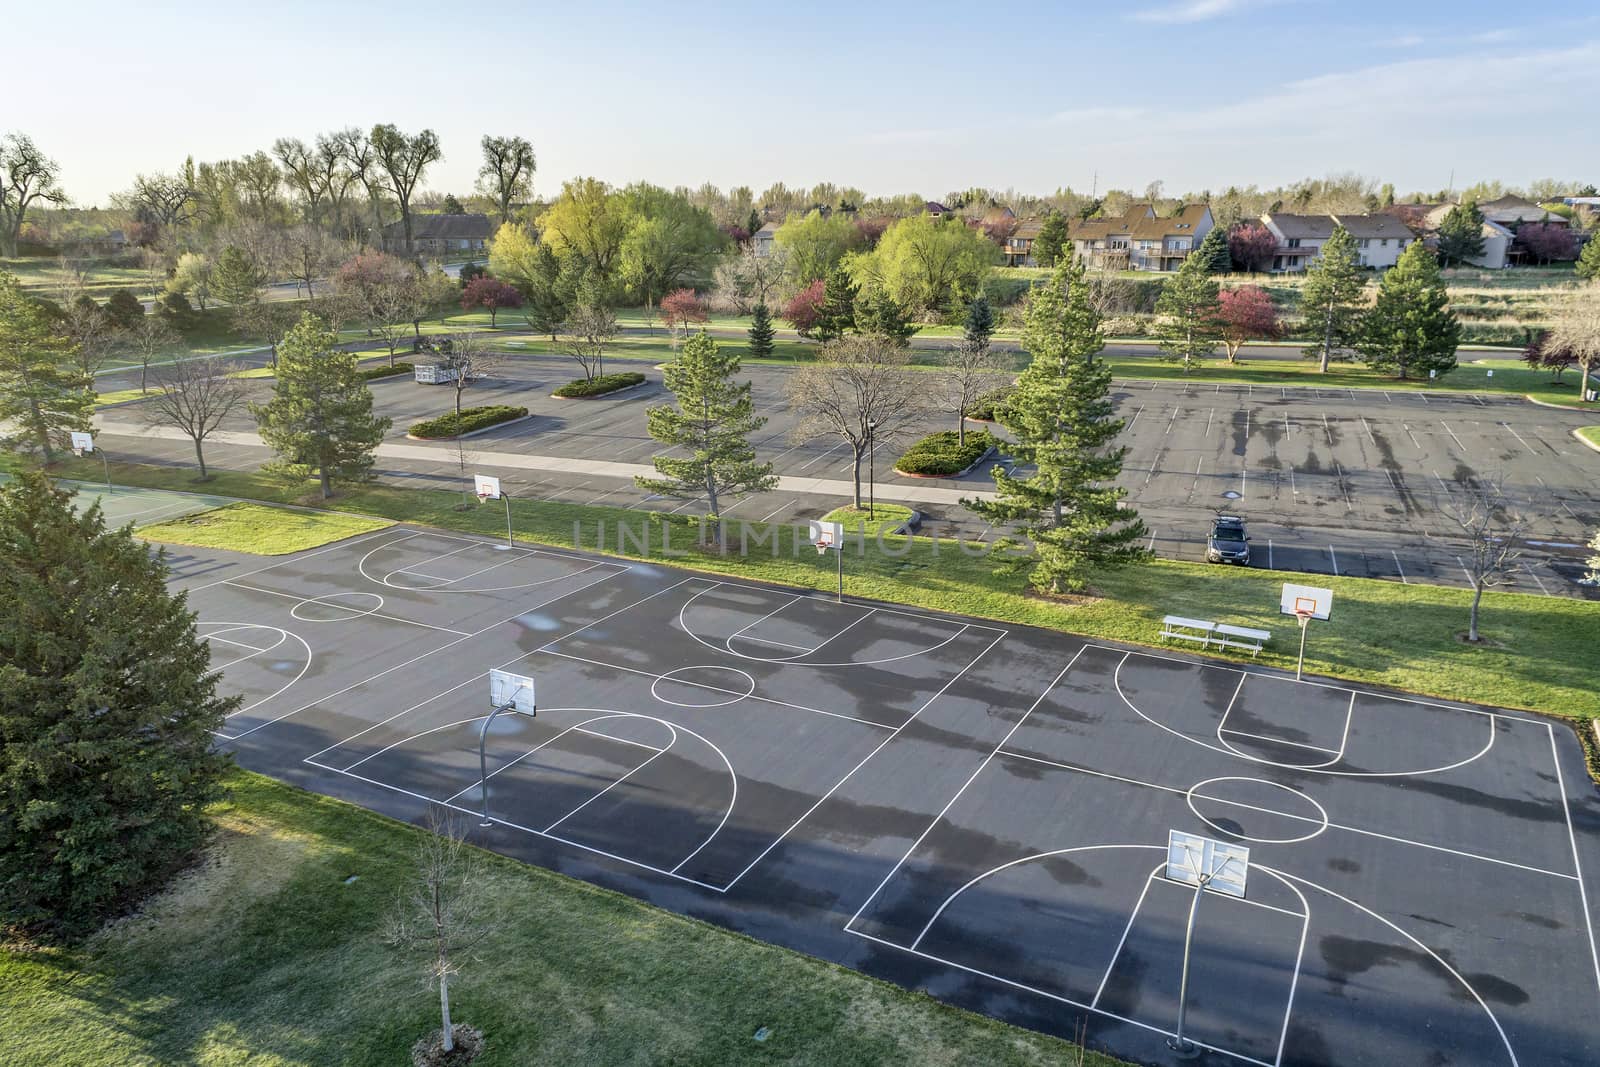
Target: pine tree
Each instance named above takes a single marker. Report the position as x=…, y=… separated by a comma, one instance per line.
x=1187, y=325
x=1060, y=415
x=236, y=278
x=711, y=421
x=879, y=315
x=107, y=707
x=42, y=396
x=761, y=333
x=1461, y=234
x=838, y=316
x=753, y=223
x=548, y=295
x=1213, y=252
x=978, y=328
x=1051, y=243
x=1588, y=265
x=1411, y=328
x=319, y=419
x=1332, y=296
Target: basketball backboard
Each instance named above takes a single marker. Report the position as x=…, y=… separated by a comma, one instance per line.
x=487, y=486
x=1201, y=861
x=82, y=442
x=1306, y=598
x=826, y=534
x=515, y=691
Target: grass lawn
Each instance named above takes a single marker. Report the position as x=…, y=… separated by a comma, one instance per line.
x=266, y=531
x=869, y=521
x=266, y=955
x=1590, y=435
x=1539, y=652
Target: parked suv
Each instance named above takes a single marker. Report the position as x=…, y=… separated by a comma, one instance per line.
x=1228, y=543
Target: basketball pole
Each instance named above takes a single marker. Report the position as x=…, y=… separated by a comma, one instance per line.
x=838, y=550
x=1300, y=664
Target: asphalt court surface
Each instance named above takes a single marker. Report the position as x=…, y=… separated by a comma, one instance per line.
x=976, y=810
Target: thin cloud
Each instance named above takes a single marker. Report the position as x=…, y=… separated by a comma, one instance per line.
x=1186, y=11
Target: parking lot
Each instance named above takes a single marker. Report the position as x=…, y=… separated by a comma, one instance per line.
x=1331, y=481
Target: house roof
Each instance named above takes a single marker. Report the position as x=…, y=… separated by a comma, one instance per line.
x=1320, y=227
x=1374, y=226
x=1028, y=229
x=996, y=215
x=768, y=227
x=933, y=207
x=1302, y=227
x=1517, y=209
x=1140, y=221
x=444, y=228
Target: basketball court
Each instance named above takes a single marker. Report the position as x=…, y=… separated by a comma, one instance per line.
x=974, y=809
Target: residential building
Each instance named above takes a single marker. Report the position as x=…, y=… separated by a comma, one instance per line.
x=761, y=240
x=1140, y=239
x=1018, y=248
x=1497, y=236
x=1380, y=238
x=1513, y=211
x=936, y=210
x=440, y=234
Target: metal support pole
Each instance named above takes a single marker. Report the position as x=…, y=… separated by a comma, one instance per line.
x=838, y=551
x=1300, y=664
x=507, y=498
x=107, y=463
x=483, y=762
x=1177, y=1042
x=872, y=472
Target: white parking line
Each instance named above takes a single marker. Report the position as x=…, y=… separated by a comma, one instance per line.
x=1452, y=433
x=1399, y=568
x=1335, y=561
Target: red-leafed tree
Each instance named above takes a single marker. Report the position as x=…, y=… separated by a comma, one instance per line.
x=1542, y=354
x=804, y=309
x=871, y=229
x=680, y=309
x=1544, y=242
x=490, y=293
x=1246, y=314
x=738, y=235
x=1252, y=246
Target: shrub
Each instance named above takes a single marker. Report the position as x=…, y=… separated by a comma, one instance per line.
x=605, y=383
x=990, y=405
x=941, y=453
x=472, y=419
x=386, y=371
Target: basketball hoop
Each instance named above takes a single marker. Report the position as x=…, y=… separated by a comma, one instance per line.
x=483, y=498
x=823, y=544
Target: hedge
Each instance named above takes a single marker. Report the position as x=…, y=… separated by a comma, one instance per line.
x=385, y=371
x=987, y=405
x=941, y=454
x=471, y=419
x=605, y=383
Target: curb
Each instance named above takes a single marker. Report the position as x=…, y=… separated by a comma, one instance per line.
x=471, y=433
x=1530, y=398
x=1582, y=440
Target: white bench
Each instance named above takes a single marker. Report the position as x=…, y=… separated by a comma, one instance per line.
x=1182, y=629
x=1242, y=637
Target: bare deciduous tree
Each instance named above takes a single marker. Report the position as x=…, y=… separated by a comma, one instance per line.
x=860, y=390
x=1576, y=328
x=970, y=371
x=308, y=254
x=442, y=917
x=589, y=329
x=745, y=279
x=27, y=176
x=196, y=395
x=148, y=338
x=1494, y=530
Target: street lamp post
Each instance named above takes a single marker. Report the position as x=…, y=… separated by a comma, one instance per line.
x=872, y=470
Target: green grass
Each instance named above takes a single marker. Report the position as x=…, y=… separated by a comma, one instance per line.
x=1590, y=435
x=265, y=531
x=1539, y=654
x=867, y=521
x=264, y=955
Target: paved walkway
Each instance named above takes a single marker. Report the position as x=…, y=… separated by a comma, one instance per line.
x=891, y=491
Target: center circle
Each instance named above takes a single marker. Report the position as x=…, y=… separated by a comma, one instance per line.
x=337, y=607
x=1279, y=814
x=714, y=684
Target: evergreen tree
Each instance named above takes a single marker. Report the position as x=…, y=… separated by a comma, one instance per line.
x=711, y=421
x=1461, y=234
x=236, y=277
x=1331, y=298
x=107, y=707
x=1051, y=244
x=838, y=315
x=548, y=294
x=1213, y=252
x=761, y=333
x=753, y=223
x=1187, y=324
x=319, y=419
x=1588, y=264
x=879, y=315
x=123, y=310
x=42, y=396
x=1060, y=415
x=978, y=328
x=972, y=370
x=1411, y=329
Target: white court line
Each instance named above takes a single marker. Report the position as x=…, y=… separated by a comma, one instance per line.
x=516, y=826
x=1277, y=740
x=794, y=598
x=1123, y=940
x=541, y=746
x=848, y=774
x=970, y=779
x=1290, y=815
x=362, y=615
x=612, y=737
x=1577, y=864
x=648, y=760
x=1399, y=568
x=1058, y=998
x=305, y=555
x=774, y=644
x=622, y=569
x=240, y=644
x=1335, y=561
x=713, y=688
x=431, y=559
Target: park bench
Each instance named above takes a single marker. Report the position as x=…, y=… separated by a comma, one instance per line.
x=1176, y=627
x=1241, y=637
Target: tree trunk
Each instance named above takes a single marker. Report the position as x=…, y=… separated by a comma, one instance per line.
x=711, y=505
x=200, y=458
x=1472, y=625
x=855, y=472
x=961, y=428
x=444, y=1013
x=327, y=486
x=1327, y=341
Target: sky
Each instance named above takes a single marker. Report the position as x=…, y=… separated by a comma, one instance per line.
x=887, y=97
